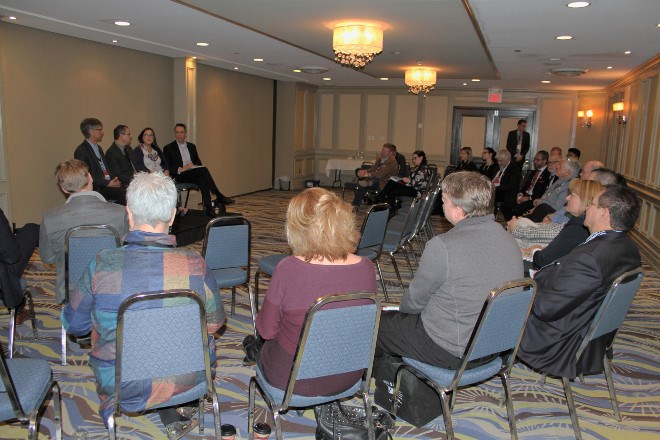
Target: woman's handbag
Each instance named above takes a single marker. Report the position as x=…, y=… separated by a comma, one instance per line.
x=335, y=421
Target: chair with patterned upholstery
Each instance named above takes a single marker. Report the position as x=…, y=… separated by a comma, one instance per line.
x=162, y=335
x=226, y=250
x=81, y=244
x=24, y=387
x=498, y=331
x=333, y=341
x=29, y=303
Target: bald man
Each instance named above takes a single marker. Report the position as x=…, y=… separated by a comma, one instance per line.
x=588, y=167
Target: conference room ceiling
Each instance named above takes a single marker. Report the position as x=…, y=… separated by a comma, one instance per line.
x=509, y=44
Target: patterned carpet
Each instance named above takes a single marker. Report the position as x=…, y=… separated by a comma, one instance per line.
x=541, y=411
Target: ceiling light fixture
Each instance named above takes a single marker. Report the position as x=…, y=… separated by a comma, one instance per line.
x=465, y=84
x=384, y=79
x=420, y=79
x=122, y=23
x=475, y=80
x=609, y=67
x=11, y=17
x=545, y=81
x=617, y=108
x=114, y=41
x=564, y=37
x=627, y=52
x=327, y=78
x=296, y=70
x=578, y=4
x=202, y=44
x=258, y=60
x=356, y=43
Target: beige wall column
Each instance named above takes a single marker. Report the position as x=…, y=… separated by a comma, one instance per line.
x=4, y=181
x=185, y=94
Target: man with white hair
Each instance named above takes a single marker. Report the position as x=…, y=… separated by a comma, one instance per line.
x=146, y=262
x=554, y=197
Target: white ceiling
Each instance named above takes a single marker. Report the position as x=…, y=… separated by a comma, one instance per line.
x=505, y=43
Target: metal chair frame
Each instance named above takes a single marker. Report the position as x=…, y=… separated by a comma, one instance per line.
x=185, y=187
x=525, y=286
x=353, y=185
x=29, y=303
x=210, y=387
x=67, y=238
x=377, y=245
x=257, y=274
x=277, y=408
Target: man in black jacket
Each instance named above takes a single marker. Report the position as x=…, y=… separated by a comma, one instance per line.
x=517, y=142
x=506, y=183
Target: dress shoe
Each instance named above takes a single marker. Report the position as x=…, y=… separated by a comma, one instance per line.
x=177, y=430
x=22, y=316
x=223, y=201
x=85, y=342
x=187, y=412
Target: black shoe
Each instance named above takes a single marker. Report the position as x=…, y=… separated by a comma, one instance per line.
x=85, y=341
x=223, y=200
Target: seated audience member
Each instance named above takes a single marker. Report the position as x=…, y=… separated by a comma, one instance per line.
x=440, y=309
x=490, y=167
x=534, y=184
x=570, y=291
x=581, y=193
x=186, y=167
x=506, y=183
x=554, y=197
x=121, y=161
x=556, y=151
x=89, y=151
x=588, y=167
x=573, y=154
x=15, y=252
x=559, y=216
x=376, y=177
x=607, y=176
x=465, y=163
x=147, y=262
x=83, y=207
x=320, y=229
x=412, y=186
x=404, y=169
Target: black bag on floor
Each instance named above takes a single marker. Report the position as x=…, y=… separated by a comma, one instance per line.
x=335, y=421
x=417, y=403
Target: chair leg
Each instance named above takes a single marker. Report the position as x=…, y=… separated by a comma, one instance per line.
x=63, y=345
x=185, y=205
x=446, y=415
x=217, y=421
x=33, y=319
x=12, y=331
x=256, y=290
x=32, y=427
x=253, y=308
x=405, y=254
x=278, y=425
x=610, y=387
x=396, y=270
x=382, y=281
x=571, y=407
x=200, y=414
x=250, y=427
x=57, y=409
x=542, y=379
x=233, y=300
x=509, y=407
x=371, y=434
x=111, y=427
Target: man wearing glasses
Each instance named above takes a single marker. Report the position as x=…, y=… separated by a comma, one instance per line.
x=90, y=152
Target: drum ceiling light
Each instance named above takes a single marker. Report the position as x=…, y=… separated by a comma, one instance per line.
x=420, y=79
x=356, y=43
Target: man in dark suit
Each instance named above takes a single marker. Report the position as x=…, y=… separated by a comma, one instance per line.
x=120, y=159
x=15, y=253
x=517, y=142
x=534, y=184
x=186, y=167
x=89, y=151
x=571, y=289
x=506, y=183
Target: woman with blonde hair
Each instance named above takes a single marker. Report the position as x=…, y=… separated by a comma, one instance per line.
x=321, y=231
x=580, y=195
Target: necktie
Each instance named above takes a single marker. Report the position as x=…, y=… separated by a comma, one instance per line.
x=496, y=180
x=531, y=185
x=128, y=158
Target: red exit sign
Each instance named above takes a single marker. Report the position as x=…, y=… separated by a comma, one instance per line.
x=495, y=95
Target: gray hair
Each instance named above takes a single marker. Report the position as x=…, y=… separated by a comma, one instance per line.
x=151, y=197
x=470, y=191
x=504, y=154
x=574, y=166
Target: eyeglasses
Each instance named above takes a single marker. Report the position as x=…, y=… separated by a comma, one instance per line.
x=97, y=128
x=594, y=204
x=415, y=157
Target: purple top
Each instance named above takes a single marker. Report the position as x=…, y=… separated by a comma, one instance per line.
x=295, y=286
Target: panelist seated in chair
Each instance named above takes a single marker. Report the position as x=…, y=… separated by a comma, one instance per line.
x=321, y=231
x=439, y=310
x=376, y=177
x=147, y=262
x=571, y=290
x=409, y=186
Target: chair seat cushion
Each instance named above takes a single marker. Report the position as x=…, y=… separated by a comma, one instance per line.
x=229, y=277
x=269, y=263
x=186, y=186
x=443, y=376
x=276, y=395
x=32, y=378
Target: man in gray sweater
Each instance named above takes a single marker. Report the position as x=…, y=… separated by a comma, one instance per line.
x=456, y=272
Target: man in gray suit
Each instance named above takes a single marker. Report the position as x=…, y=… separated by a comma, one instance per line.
x=83, y=207
x=554, y=197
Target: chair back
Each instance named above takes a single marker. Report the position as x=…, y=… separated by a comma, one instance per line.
x=81, y=244
x=374, y=227
x=227, y=243
x=501, y=323
x=425, y=210
x=410, y=224
x=7, y=387
x=159, y=335
x=450, y=169
x=336, y=339
x=613, y=309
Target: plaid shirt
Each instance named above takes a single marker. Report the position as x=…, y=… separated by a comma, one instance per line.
x=145, y=263
x=539, y=233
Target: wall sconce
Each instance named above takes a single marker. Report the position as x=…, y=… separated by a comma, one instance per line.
x=617, y=107
x=585, y=121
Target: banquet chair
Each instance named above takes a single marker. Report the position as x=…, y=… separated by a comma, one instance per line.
x=608, y=319
x=332, y=341
x=498, y=331
x=24, y=387
x=185, y=187
x=372, y=236
x=226, y=250
x=29, y=303
x=81, y=244
x=353, y=185
x=162, y=335
x=266, y=266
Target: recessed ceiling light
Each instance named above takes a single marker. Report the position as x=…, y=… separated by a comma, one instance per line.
x=554, y=59
x=258, y=59
x=475, y=80
x=114, y=41
x=297, y=70
x=398, y=53
x=327, y=78
x=122, y=23
x=578, y=4
x=235, y=68
x=609, y=67
x=564, y=37
x=465, y=84
x=545, y=81
x=11, y=17
x=203, y=44
x=658, y=25
x=194, y=58
x=627, y=52
x=384, y=79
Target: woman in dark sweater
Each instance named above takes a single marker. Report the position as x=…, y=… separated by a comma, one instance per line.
x=466, y=164
x=490, y=167
x=580, y=194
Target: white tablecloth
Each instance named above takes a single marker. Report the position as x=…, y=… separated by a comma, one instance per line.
x=342, y=165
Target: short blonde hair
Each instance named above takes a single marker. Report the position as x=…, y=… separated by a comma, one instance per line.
x=586, y=190
x=320, y=225
x=72, y=175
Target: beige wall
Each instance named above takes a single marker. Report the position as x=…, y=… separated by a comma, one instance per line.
x=589, y=140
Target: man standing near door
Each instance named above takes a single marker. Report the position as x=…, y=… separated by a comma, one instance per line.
x=517, y=142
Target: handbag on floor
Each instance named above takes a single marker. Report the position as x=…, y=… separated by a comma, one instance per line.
x=335, y=421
